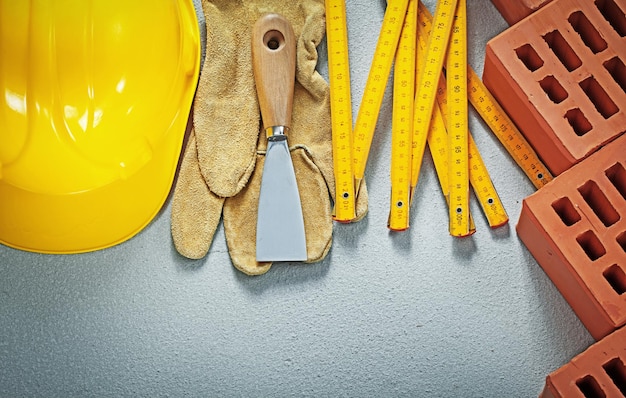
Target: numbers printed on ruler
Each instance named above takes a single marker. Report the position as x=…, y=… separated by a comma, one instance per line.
x=497, y=120
x=402, y=121
x=478, y=174
x=463, y=163
x=438, y=144
x=376, y=83
x=506, y=132
x=458, y=168
x=430, y=66
x=341, y=109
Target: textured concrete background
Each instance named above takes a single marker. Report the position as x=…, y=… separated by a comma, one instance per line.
x=416, y=314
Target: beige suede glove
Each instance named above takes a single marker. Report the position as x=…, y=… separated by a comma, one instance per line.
x=221, y=169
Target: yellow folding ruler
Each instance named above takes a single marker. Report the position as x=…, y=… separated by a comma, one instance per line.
x=439, y=147
x=375, y=86
x=507, y=133
x=478, y=175
x=458, y=142
x=430, y=66
x=424, y=103
x=402, y=121
x=453, y=167
x=341, y=109
x=497, y=120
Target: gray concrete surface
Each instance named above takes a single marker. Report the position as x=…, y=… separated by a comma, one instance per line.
x=416, y=314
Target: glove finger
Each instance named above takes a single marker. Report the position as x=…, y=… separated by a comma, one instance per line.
x=361, y=204
x=195, y=210
x=226, y=113
x=226, y=100
x=311, y=116
x=313, y=31
x=316, y=206
x=311, y=109
x=240, y=217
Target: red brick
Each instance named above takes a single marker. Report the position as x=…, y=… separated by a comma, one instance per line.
x=514, y=11
x=575, y=227
x=561, y=76
x=600, y=371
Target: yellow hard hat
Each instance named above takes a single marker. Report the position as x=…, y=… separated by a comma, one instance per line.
x=94, y=102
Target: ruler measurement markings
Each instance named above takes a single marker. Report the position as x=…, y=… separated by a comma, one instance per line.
x=483, y=188
x=430, y=66
x=479, y=177
x=497, y=120
x=507, y=133
x=487, y=107
x=438, y=145
x=458, y=167
x=341, y=109
x=402, y=122
x=375, y=86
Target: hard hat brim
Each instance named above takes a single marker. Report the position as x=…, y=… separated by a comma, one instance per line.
x=93, y=219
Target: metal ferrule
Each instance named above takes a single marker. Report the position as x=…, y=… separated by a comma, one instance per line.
x=276, y=133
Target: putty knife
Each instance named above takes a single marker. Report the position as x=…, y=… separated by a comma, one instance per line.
x=280, y=225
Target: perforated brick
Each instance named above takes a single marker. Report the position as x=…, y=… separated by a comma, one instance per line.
x=575, y=227
x=560, y=74
x=514, y=11
x=598, y=372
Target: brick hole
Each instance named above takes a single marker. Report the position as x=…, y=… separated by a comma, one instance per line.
x=621, y=239
x=587, y=32
x=553, y=88
x=562, y=50
x=616, y=278
x=613, y=14
x=599, y=203
x=565, y=209
x=616, y=68
x=600, y=99
x=592, y=246
x=578, y=121
x=590, y=387
x=617, y=175
x=529, y=57
x=617, y=372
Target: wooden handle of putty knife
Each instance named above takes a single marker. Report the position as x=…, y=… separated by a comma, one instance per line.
x=274, y=66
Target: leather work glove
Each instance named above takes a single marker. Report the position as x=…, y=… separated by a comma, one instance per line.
x=222, y=164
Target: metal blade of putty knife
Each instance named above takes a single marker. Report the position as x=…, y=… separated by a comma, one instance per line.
x=280, y=232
